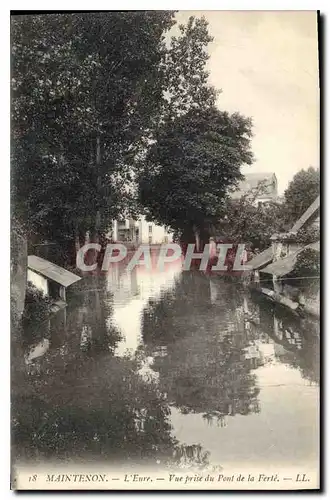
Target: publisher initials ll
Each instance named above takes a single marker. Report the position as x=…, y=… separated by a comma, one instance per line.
x=301, y=478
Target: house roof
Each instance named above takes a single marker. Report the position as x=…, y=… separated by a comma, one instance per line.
x=256, y=177
x=251, y=182
x=284, y=266
x=52, y=271
x=311, y=210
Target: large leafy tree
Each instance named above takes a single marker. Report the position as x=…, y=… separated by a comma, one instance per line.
x=185, y=69
x=86, y=91
x=245, y=221
x=301, y=192
x=250, y=224
x=195, y=160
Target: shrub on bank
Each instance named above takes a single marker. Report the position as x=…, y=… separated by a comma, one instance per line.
x=308, y=235
x=308, y=263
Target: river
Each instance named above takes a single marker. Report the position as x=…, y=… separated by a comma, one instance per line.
x=167, y=368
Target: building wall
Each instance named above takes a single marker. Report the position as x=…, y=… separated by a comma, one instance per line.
x=151, y=233
x=140, y=231
x=279, y=249
x=293, y=247
x=263, y=200
x=38, y=281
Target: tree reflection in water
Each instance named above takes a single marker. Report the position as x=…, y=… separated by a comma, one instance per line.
x=296, y=339
x=204, y=369
x=80, y=400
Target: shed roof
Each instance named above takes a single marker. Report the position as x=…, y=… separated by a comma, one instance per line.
x=266, y=256
x=284, y=266
x=261, y=259
x=310, y=212
x=52, y=271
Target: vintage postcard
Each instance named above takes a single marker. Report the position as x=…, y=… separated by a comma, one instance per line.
x=165, y=250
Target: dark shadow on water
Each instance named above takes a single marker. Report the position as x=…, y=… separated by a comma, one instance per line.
x=203, y=342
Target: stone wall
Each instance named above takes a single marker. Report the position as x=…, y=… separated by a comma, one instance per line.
x=18, y=274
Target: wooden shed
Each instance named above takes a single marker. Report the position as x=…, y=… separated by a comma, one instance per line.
x=50, y=278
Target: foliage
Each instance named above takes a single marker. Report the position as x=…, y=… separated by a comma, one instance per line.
x=86, y=89
x=196, y=158
x=301, y=192
x=37, y=305
x=307, y=235
x=243, y=221
x=88, y=93
x=254, y=225
x=184, y=64
x=116, y=416
x=307, y=263
x=16, y=226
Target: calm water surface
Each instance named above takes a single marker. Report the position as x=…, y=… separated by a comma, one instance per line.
x=167, y=368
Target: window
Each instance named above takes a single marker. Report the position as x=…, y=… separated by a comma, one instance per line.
x=150, y=228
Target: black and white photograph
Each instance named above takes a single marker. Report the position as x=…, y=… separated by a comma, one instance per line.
x=165, y=250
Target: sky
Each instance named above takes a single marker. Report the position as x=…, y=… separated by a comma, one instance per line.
x=266, y=63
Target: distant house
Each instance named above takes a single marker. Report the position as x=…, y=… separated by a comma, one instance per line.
x=264, y=182
x=139, y=231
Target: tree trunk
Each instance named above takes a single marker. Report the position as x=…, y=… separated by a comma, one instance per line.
x=76, y=240
x=93, y=236
x=98, y=185
x=197, y=238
